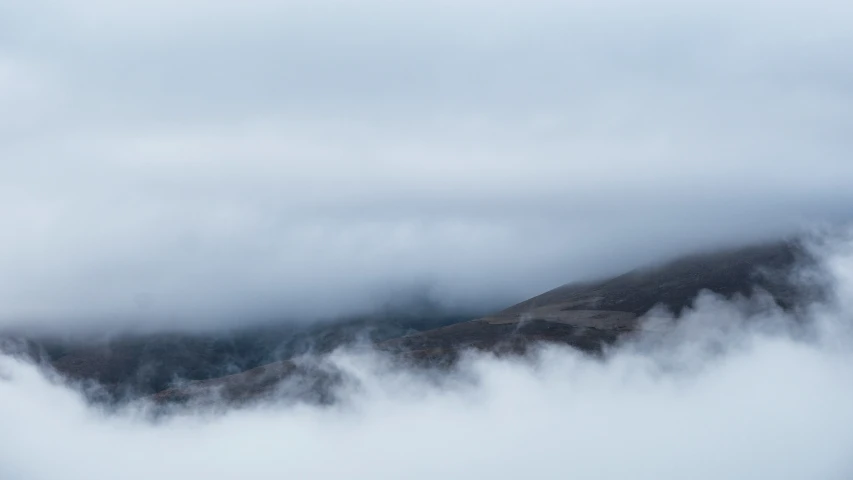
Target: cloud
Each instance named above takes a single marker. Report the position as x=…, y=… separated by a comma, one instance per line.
x=227, y=162
x=734, y=391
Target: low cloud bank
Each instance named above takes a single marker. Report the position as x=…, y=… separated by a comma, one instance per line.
x=733, y=390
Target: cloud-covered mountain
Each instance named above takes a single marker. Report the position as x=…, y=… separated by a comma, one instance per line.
x=731, y=388
x=253, y=361
x=310, y=239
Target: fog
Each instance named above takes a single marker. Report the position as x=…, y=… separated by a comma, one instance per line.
x=732, y=389
x=196, y=164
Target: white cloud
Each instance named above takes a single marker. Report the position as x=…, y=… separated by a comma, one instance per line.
x=231, y=160
x=729, y=394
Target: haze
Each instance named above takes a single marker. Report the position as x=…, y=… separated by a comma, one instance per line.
x=731, y=392
x=197, y=164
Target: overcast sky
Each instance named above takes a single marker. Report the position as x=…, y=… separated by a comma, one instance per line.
x=188, y=162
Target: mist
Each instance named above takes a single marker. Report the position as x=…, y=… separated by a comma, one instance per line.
x=731, y=389
x=199, y=166
x=202, y=164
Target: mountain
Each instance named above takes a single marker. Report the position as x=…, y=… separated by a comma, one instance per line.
x=132, y=366
x=585, y=316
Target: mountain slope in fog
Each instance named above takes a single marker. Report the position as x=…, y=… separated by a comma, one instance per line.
x=591, y=315
x=131, y=366
x=585, y=316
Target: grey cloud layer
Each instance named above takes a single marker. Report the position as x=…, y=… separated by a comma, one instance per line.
x=203, y=161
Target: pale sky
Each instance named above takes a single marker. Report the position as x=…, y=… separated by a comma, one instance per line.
x=192, y=162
